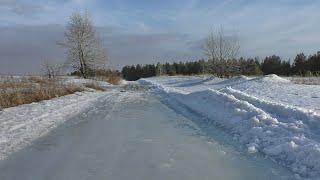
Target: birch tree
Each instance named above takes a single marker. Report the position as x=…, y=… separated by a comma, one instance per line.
x=83, y=45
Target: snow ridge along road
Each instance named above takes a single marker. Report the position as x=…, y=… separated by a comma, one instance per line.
x=21, y=125
x=299, y=117
x=288, y=134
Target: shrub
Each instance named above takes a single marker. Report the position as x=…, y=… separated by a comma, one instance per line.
x=110, y=76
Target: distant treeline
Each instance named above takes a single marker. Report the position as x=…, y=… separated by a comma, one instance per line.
x=136, y=72
x=302, y=66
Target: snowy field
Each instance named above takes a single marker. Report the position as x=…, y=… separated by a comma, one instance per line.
x=63, y=79
x=270, y=115
x=305, y=80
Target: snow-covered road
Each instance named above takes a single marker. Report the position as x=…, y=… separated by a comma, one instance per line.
x=134, y=135
x=267, y=114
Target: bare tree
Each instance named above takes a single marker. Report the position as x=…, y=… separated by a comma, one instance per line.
x=210, y=46
x=51, y=70
x=220, y=50
x=84, y=46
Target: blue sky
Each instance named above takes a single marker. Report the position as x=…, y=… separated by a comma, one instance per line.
x=147, y=31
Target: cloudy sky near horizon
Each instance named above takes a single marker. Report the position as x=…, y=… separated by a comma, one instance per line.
x=147, y=31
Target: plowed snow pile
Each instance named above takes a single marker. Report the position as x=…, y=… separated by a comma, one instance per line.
x=21, y=125
x=267, y=114
x=272, y=78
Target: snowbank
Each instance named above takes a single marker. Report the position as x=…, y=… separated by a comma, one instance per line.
x=286, y=133
x=272, y=78
x=287, y=93
x=22, y=124
x=234, y=80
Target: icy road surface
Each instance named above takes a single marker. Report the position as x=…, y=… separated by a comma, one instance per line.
x=134, y=135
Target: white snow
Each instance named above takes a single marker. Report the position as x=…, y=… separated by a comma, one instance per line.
x=252, y=148
x=81, y=81
x=272, y=78
x=267, y=114
x=22, y=124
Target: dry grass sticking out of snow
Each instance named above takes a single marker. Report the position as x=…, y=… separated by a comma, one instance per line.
x=25, y=90
x=94, y=85
x=305, y=80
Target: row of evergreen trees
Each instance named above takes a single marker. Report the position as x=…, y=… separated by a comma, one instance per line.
x=307, y=65
x=133, y=73
x=138, y=71
x=302, y=66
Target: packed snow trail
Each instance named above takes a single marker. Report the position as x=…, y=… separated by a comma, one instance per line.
x=133, y=135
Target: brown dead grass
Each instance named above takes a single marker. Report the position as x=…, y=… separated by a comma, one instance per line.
x=10, y=85
x=114, y=79
x=41, y=80
x=35, y=89
x=94, y=85
x=110, y=76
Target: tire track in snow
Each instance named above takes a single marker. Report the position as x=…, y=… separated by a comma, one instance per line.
x=300, y=120
x=258, y=130
x=255, y=127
